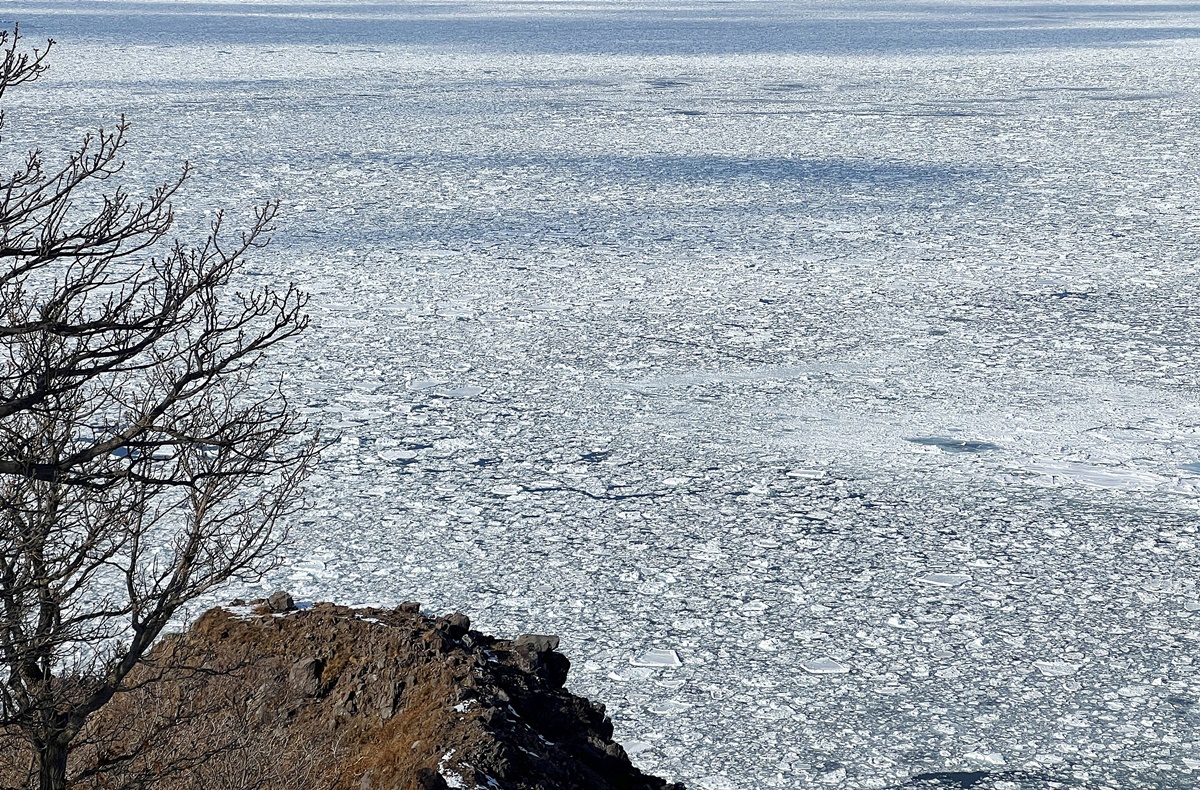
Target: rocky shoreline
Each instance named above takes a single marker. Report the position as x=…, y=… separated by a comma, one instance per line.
x=330, y=696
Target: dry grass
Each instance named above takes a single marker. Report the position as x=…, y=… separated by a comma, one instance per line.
x=221, y=715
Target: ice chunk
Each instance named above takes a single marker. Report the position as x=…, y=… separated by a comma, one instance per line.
x=1056, y=669
x=634, y=748
x=834, y=776
x=468, y=391
x=824, y=666
x=688, y=624
x=806, y=474
x=657, y=658
x=759, y=682
x=452, y=445
x=944, y=579
x=709, y=551
x=1056, y=473
x=991, y=758
x=424, y=385
x=717, y=782
x=397, y=455
x=668, y=708
x=774, y=712
x=1168, y=586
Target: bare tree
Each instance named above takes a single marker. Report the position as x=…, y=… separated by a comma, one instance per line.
x=143, y=460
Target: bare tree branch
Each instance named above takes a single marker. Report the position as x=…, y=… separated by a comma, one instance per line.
x=143, y=461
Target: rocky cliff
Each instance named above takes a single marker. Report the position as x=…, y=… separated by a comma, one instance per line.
x=267, y=696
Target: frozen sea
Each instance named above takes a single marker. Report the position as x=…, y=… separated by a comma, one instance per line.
x=824, y=373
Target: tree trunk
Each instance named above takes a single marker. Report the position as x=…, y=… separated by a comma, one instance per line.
x=52, y=765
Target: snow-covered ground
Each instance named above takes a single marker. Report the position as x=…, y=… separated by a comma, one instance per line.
x=847, y=349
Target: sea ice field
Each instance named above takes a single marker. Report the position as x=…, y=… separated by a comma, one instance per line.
x=823, y=373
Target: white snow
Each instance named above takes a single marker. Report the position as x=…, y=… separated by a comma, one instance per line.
x=453, y=779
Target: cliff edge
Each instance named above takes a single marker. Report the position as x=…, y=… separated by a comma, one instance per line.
x=264, y=695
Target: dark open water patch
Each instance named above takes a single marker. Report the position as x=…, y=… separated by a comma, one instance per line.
x=666, y=84
x=1024, y=780
x=949, y=779
x=788, y=87
x=955, y=445
x=986, y=780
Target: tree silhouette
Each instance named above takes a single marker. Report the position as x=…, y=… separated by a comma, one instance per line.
x=144, y=460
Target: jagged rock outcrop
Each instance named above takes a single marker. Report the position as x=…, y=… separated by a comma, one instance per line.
x=362, y=699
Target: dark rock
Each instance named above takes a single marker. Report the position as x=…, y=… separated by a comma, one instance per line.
x=305, y=677
x=346, y=704
x=437, y=642
x=555, y=668
x=428, y=779
x=409, y=607
x=535, y=643
x=546, y=664
x=280, y=601
x=458, y=623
